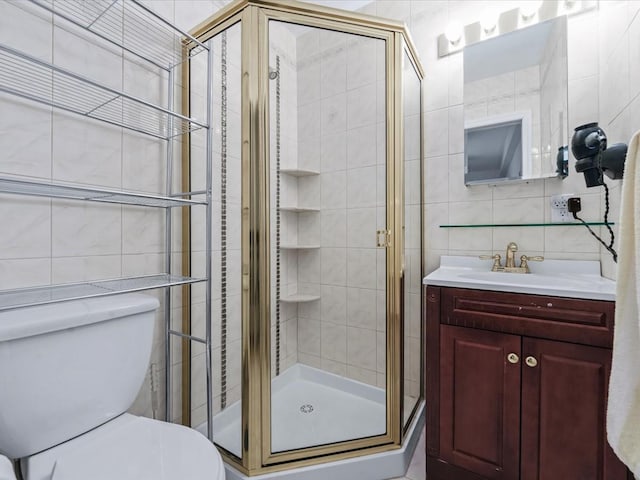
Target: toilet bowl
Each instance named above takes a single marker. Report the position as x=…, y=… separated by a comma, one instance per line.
x=69, y=372
x=129, y=447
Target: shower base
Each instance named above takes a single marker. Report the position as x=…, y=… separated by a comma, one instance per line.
x=313, y=407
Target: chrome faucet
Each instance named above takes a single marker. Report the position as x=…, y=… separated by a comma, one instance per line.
x=510, y=262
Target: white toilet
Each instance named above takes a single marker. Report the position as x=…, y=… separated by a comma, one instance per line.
x=68, y=372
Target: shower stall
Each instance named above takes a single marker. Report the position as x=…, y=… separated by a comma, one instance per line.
x=315, y=345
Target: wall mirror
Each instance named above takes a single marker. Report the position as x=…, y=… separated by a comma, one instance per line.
x=515, y=105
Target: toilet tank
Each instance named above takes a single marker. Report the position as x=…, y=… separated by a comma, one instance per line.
x=68, y=367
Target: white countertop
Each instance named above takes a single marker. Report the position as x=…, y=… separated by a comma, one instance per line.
x=559, y=278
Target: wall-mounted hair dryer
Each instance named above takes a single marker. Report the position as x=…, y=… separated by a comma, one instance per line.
x=593, y=157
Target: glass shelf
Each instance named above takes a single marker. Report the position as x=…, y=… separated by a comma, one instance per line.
x=53, y=190
x=71, y=291
x=130, y=25
x=28, y=77
x=501, y=225
x=299, y=298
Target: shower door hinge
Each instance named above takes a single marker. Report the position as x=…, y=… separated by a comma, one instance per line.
x=383, y=238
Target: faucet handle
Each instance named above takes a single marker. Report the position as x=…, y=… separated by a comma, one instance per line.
x=496, y=261
x=524, y=259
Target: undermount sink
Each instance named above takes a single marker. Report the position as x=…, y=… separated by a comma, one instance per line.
x=562, y=278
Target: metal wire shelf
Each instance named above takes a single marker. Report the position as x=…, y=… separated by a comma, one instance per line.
x=72, y=291
x=130, y=25
x=31, y=78
x=73, y=192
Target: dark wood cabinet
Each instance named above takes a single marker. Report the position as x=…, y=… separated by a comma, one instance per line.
x=517, y=387
x=480, y=401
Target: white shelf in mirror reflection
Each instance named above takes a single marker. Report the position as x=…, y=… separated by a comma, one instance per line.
x=299, y=172
x=298, y=247
x=299, y=298
x=299, y=209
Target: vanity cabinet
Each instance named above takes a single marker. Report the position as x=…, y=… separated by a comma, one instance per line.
x=517, y=387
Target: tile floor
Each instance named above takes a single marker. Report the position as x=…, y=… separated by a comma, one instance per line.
x=418, y=467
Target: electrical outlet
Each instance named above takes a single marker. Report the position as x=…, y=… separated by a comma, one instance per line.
x=559, y=211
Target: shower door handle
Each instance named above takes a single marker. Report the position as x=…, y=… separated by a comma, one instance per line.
x=383, y=238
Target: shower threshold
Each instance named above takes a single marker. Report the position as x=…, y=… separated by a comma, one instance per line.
x=312, y=407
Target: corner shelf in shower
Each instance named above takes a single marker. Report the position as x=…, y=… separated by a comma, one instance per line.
x=299, y=209
x=299, y=298
x=28, y=77
x=73, y=192
x=72, y=291
x=299, y=247
x=298, y=172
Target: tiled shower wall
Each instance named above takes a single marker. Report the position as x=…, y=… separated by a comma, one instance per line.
x=282, y=57
x=341, y=134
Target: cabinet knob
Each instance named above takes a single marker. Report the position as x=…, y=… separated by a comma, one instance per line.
x=513, y=358
x=531, y=361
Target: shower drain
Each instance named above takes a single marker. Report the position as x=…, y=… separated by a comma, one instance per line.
x=306, y=408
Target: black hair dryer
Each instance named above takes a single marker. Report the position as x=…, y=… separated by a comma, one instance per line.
x=594, y=158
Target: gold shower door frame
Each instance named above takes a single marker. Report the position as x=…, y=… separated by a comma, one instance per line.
x=254, y=15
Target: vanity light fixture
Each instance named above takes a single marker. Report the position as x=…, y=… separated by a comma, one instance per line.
x=530, y=12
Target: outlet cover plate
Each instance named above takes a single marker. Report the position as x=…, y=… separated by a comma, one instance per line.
x=559, y=211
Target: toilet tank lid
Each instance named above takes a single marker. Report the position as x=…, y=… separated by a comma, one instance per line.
x=35, y=320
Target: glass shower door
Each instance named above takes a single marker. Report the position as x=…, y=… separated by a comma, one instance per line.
x=327, y=116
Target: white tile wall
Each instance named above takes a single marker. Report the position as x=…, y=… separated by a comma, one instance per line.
x=55, y=241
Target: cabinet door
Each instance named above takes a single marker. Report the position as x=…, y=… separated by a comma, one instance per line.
x=564, y=394
x=480, y=401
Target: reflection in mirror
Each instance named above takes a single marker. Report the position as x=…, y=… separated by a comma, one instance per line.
x=496, y=148
x=515, y=104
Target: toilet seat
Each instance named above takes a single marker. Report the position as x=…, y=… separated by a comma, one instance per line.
x=130, y=448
